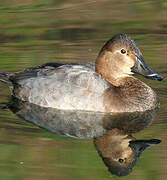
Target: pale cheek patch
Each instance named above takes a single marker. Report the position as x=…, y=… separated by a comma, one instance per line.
x=130, y=62
x=126, y=60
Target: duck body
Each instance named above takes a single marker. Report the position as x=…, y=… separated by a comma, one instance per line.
x=79, y=87
x=104, y=86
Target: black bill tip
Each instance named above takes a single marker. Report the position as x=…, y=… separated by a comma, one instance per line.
x=154, y=76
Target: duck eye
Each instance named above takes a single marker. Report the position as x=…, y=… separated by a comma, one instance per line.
x=123, y=51
x=121, y=160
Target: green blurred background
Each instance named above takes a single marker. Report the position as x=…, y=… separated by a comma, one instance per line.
x=33, y=32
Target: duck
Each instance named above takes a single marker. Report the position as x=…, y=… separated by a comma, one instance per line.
x=107, y=86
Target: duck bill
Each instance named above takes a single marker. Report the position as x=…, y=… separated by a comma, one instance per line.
x=140, y=145
x=141, y=68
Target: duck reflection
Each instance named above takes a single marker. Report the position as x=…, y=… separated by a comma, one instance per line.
x=112, y=133
x=120, y=151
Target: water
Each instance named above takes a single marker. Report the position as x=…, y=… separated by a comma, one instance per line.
x=32, y=33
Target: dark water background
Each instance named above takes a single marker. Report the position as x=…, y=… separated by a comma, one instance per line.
x=35, y=32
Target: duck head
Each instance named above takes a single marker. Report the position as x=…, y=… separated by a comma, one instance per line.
x=120, y=57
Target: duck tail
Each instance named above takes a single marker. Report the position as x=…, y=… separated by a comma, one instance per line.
x=4, y=78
